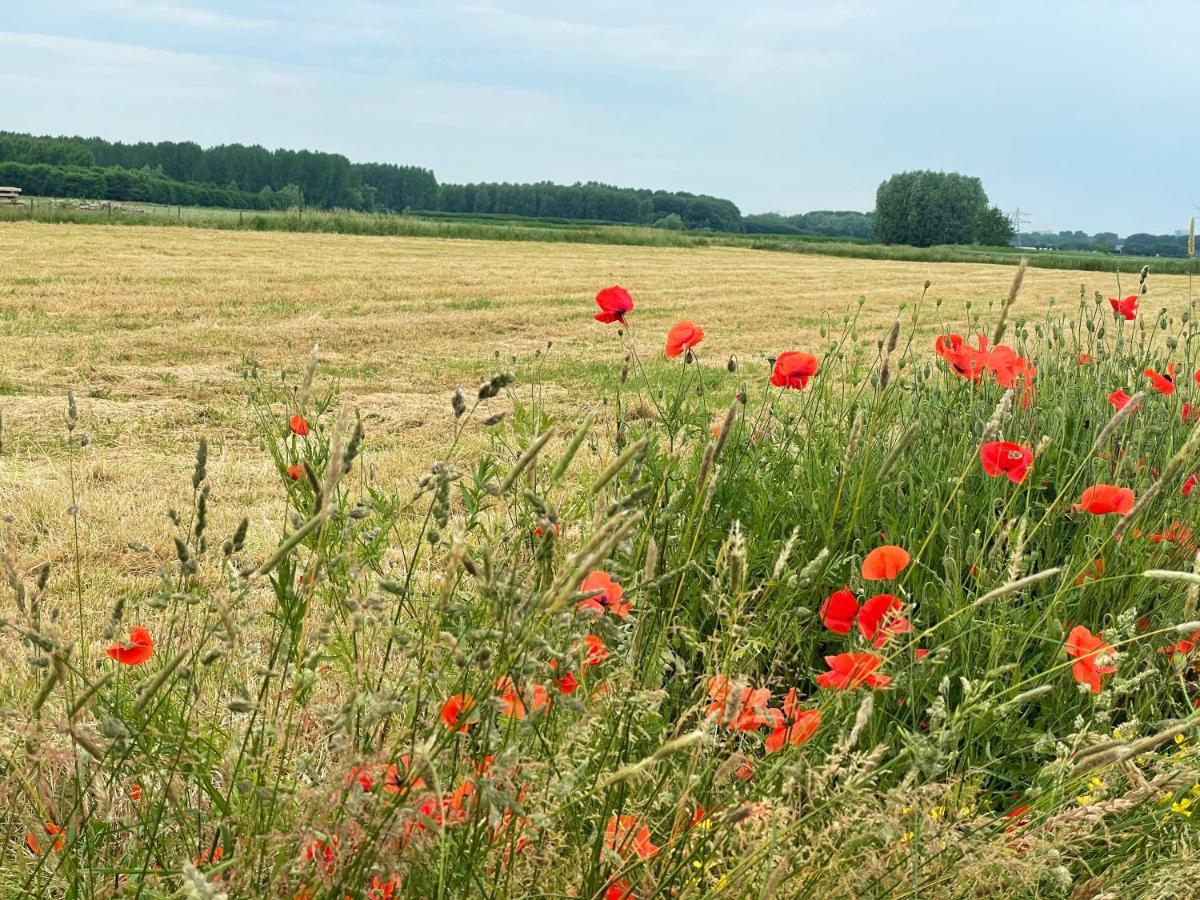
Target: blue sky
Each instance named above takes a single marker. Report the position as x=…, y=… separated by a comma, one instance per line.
x=1082, y=113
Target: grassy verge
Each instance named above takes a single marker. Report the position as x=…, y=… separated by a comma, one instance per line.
x=515, y=228
x=594, y=658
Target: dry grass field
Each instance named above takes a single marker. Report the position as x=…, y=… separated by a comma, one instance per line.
x=1029, y=726
x=154, y=328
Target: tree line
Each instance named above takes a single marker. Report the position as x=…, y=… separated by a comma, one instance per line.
x=920, y=208
x=256, y=178
x=826, y=222
x=1138, y=244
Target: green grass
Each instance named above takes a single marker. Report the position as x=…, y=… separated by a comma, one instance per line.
x=518, y=228
x=285, y=736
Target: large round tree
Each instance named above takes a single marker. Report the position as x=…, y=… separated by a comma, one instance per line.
x=925, y=208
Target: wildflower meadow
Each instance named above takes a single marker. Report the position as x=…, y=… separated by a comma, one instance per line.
x=907, y=614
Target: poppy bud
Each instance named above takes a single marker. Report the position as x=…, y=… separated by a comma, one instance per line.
x=731, y=365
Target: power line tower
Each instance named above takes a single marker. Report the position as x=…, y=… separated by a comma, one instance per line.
x=1018, y=219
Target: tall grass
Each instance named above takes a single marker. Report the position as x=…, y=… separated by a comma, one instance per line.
x=427, y=690
x=516, y=228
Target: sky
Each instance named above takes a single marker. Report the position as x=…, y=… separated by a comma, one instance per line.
x=1080, y=113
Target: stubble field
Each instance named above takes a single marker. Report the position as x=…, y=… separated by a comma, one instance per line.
x=361, y=692
x=154, y=329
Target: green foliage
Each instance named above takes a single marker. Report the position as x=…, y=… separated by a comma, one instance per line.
x=925, y=208
x=671, y=221
x=227, y=175
x=590, y=201
x=829, y=223
x=112, y=183
x=287, y=735
x=992, y=228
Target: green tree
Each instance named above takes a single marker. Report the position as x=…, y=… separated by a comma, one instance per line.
x=992, y=228
x=925, y=208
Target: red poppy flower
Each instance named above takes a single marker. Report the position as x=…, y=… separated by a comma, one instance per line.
x=884, y=563
x=1184, y=647
x=1007, y=459
x=1189, y=484
x=1092, y=573
x=740, y=709
x=879, y=620
x=1006, y=366
x=618, y=890
x=134, y=652
x=1127, y=308
x=625, y=835
x=849, y=670
x=135, y=792
x=1164, y=384
x=383, y=890
x=595, y=651
x=920, y=653
x=609, y=597
x=682, y=337
x=390, y=776
x=744, y=771
x=455, y=711
x=294, y=471
x=1188, y=412
x=965, y=360
x=567, y=684
x=838, y=611
x=1119, y=399
x=538, y=531
x=1102, y=499
x=1175, y=533
x=52, y=831
x=203, y=858
x=1084, y=359
x=793, y=369
x=512, y=704
x=361, y=774
x=320, y=852
x=798, y=724
x=614, y=302
x=1092, y=657
x=299, y=425
x=1017, y=813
